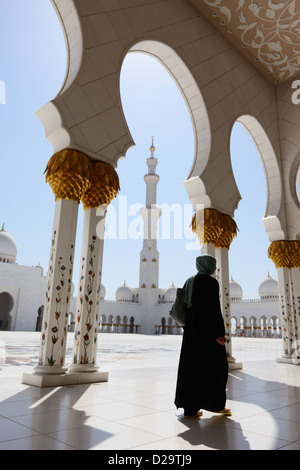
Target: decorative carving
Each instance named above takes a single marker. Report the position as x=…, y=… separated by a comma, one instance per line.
x=104, y=186
x=212, y=227
x=68, y=173
x=269, y=32
x=285, y=253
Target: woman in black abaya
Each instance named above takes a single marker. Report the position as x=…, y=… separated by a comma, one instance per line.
x=203, y=366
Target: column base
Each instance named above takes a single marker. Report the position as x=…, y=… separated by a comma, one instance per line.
x=233, y=365
x=287, y=359
x=69, y=378
x=84, y=368
x=50, y=370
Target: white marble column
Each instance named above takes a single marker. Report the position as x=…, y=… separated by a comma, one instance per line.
x=286, y=256
x=208, y=249
x=288, y=313
x=88, y=300
x=58, y=294
x=295, y=278
x=222, y=257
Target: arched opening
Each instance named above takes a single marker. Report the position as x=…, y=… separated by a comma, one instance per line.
x=233, y=326
x=263, y=326
x=253, y=326
x=163, y=326
x=243, y=326
x=160, y=98
x=257, y=176
x=125, y=324
x=110, y=323
x=131, y=326
x=170, y=326
x=39, y=319
x=6, y=307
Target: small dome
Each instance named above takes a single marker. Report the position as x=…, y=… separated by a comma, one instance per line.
x=8, y=247
x=170, y=293
x=124, y=293
x=236, y=292
x=102, y=292
x=268, y=288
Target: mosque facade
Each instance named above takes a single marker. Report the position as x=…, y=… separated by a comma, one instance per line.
x=143, y=309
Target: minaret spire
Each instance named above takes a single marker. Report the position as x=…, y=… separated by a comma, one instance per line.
x=150, y=214
x=152, y=148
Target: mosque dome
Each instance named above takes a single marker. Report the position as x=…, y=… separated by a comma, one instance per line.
x=8, y=247
x=102, y=292
x=236, y=292
x=268, y=288
x=170, y=293
x=124, y=293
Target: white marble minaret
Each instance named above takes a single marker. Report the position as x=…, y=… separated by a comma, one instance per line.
x=149, y=257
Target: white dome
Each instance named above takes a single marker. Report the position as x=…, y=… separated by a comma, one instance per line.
x=102, y=292
x=124, y=293
x=236, y=292
x=170, y=293
x=268, y=288
x=8, y=247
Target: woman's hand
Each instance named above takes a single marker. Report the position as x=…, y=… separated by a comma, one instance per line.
x=222, y=340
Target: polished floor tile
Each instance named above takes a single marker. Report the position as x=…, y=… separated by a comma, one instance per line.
x=135, y=410
x=105, y=435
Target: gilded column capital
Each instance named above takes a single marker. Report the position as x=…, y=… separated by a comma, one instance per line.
x=228, y=234
x=285, y=253
x=104, y=186
x=212, y=227
x=68, y=173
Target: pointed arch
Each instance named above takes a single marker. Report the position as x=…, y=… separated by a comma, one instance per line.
x=192, y=96
x=269, y=162
x=272, y=218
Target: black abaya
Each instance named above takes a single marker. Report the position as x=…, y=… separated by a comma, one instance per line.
x=203, y=366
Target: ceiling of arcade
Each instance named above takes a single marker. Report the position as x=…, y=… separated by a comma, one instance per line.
x=266, y=32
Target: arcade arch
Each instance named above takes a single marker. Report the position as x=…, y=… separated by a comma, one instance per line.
x=269, y=162
x=104, y=136
x=6, y=307
x=190, y=91
x=254, y=184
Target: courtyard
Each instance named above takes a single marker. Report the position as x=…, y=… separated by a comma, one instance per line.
x=134, y=410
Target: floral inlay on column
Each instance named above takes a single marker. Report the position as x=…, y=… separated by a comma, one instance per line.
x=104, y=186
x=285, y=254
x=87, y=303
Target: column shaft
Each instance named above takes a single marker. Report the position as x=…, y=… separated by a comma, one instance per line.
x=223, y=278
x=295, y=277
x=208, y=249
x=88, y=300
x=58, y=294
x=287, y=311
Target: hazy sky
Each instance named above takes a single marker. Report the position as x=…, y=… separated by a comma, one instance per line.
x=32, y=65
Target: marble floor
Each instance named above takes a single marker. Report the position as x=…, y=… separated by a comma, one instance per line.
x=134, y=410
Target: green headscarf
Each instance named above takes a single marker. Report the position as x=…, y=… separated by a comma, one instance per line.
x=205, y=264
